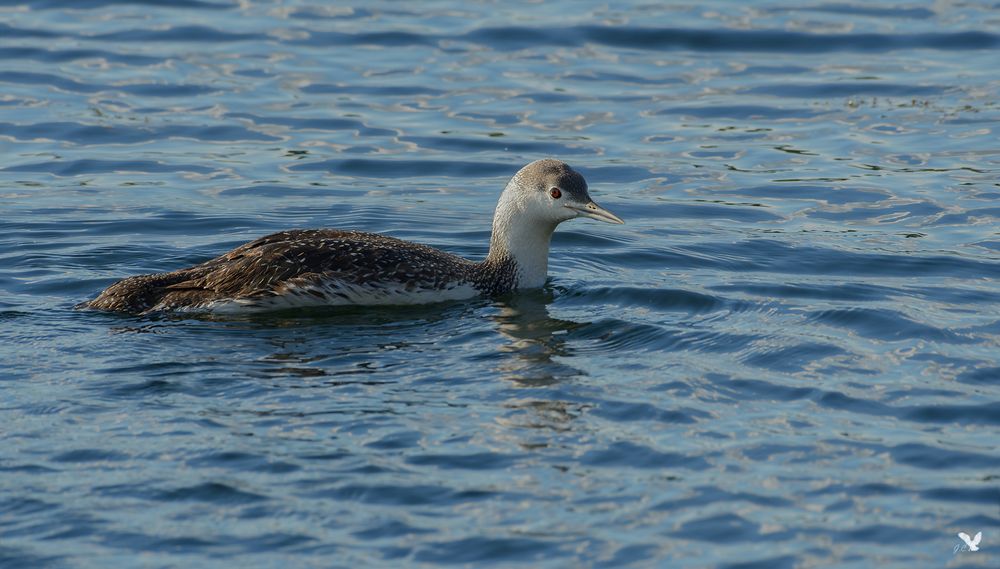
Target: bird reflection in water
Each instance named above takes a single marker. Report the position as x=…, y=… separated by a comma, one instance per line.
x=529, y=360
x=535, y=339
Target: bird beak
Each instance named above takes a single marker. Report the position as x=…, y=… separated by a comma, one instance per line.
x=594, y=211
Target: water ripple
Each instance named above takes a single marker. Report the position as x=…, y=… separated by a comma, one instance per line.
x=93, y=166
x=632, y=455
x=72, y=85
x=482, y=549
x=89, y=134
x=22, y=53
x=660, y=299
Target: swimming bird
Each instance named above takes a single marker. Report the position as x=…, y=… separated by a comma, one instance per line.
x=327, y=267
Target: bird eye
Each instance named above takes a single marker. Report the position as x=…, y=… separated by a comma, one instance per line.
x=556, y=193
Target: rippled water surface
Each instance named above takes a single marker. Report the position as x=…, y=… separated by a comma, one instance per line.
x=788, y=357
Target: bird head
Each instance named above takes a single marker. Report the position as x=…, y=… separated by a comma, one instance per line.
x=550, y=192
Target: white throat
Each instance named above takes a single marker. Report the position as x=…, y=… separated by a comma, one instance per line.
x=522, y=237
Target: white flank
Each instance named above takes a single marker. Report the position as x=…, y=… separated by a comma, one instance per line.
x=338, y=293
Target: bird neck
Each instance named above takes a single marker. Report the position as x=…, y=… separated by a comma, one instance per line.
x=520, y=238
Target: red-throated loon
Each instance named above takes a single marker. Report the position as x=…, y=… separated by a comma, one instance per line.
x=326, y=267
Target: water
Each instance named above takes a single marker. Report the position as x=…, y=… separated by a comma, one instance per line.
x=788, y=357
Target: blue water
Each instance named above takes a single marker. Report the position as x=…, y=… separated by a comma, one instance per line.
x=788, y=357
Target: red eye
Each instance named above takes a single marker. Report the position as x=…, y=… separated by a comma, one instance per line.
x=555, y=193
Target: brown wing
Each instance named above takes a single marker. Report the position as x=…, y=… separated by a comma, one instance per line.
x=266, y=265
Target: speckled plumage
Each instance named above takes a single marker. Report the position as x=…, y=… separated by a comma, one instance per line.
x=310, y=267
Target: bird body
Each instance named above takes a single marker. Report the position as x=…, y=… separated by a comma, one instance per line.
x=330, y=267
